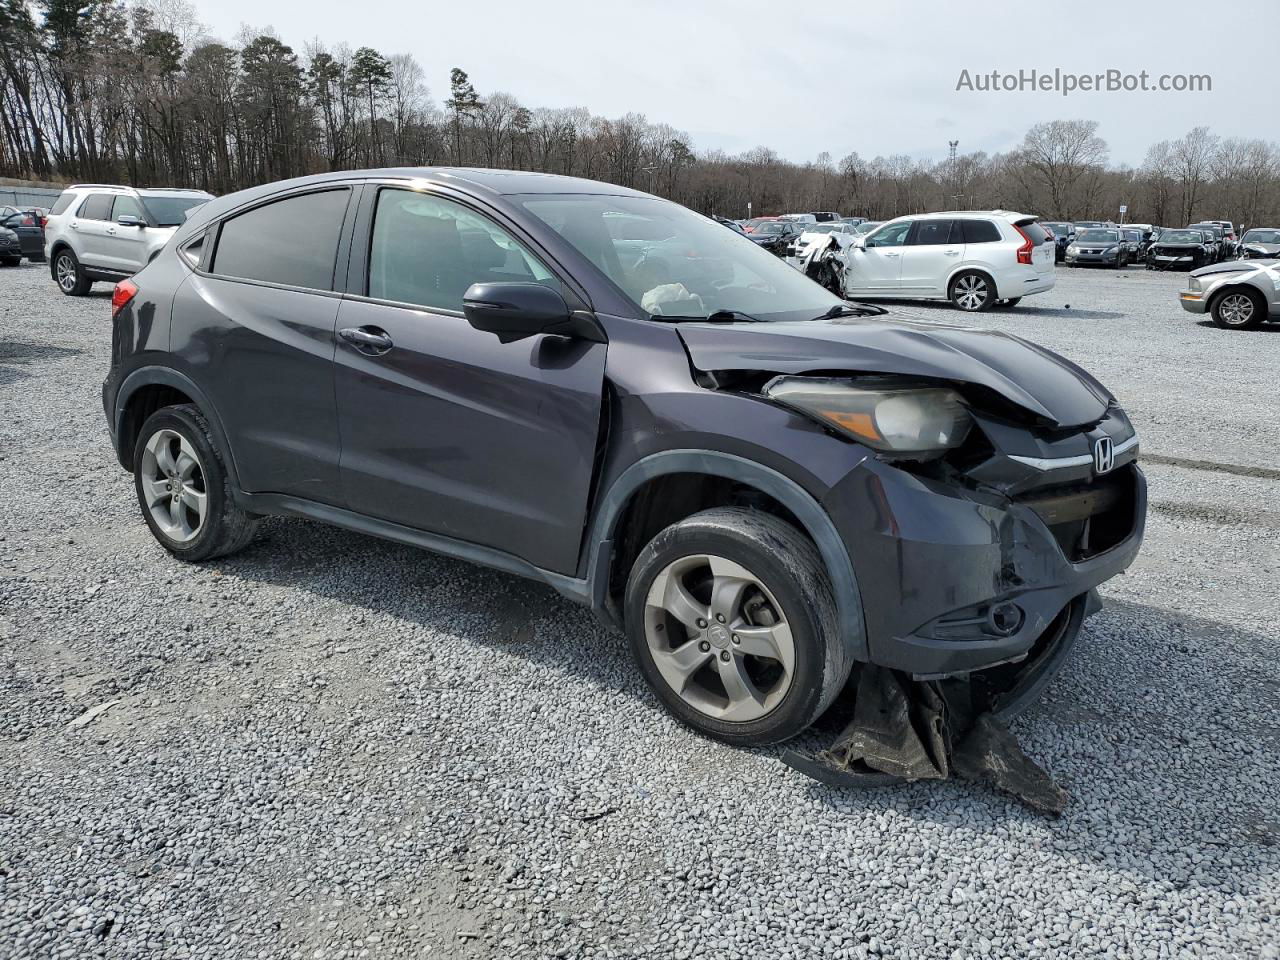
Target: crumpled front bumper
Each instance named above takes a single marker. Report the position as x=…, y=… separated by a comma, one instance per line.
x=955, y=580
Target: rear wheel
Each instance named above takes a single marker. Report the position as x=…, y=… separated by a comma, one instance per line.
x=1008, y=304
x=732, y=621
x=972, y=292
x=183, y=487
x=1239, y=310
x=69, y=275
x=11, y=261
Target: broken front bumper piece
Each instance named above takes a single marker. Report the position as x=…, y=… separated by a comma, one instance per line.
x=903, y=730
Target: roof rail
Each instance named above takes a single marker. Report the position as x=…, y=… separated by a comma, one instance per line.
x=96, y=186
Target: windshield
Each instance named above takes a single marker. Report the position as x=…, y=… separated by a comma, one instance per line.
x=1098, y=236
x=701, y=270
x=1181, y=236
x=866, y=226
x=1262, y=236
x=1061, y=229
x=824, y=228
x=171, y=211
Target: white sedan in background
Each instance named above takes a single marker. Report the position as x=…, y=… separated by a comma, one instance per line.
x=818, y=232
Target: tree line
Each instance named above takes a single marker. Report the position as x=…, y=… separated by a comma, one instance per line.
x=139, y=92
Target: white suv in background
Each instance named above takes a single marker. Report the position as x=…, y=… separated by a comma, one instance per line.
x=102, y=232
x=977, y=259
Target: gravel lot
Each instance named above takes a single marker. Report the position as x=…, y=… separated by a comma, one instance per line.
x=330, y=746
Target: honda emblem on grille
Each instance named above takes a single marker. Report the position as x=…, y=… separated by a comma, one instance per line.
x=1104, y=455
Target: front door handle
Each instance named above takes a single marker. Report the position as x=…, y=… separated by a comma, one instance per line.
x=952, y=253
x=372, y=341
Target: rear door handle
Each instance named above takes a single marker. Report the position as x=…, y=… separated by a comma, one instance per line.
x=372, y=341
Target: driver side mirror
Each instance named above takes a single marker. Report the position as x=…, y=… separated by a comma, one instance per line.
x=514, y=311
x=129, y=220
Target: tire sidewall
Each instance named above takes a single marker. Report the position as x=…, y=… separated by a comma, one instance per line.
x=182, y=421
x=802, y=607
x=69, y=254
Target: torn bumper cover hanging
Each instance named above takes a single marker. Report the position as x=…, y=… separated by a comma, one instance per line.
x=903, y=730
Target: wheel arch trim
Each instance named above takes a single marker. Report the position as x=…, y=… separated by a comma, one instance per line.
x=150, y=376
x=817, y=524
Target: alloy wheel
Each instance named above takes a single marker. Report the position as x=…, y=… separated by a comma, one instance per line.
x=1236, y=309
x=173, y=485
x=66, y=270
x=971, y=292
x=719, y=638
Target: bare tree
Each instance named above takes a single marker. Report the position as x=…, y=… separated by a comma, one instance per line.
x=1062, y=155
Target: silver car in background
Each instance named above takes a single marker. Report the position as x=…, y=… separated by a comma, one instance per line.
x=1238, y=294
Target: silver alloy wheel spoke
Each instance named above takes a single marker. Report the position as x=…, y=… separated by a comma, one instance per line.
x=725, y=634
x=682, y=605
x=679, y=665
x=745, y=701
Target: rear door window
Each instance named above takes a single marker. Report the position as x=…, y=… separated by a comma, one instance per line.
x=980, y=231
x=97, y=206
x=293, y=241
x=931, y=233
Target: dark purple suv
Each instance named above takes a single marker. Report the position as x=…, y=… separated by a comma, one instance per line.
x=765, y=486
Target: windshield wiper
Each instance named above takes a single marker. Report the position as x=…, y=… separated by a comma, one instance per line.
x=852, y=310
x=715, y=316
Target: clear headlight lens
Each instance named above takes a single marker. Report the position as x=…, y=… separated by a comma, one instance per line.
x=1073, y=249
x=902, y=420
x=1193, y=284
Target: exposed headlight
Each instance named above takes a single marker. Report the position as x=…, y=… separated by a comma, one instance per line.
x=1193, y=284
x=1073, y=249
x=902, y=420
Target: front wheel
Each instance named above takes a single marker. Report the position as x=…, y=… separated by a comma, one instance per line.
x=11, y=261
x=732, y=621
x=1239, y=310
x=972, y=292
x=183, y=487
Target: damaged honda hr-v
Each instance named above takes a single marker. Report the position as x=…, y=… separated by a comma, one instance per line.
x=766, y=487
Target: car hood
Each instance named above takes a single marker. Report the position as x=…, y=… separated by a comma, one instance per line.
x=1037, y=380
x=1229, y=266
x=1270, y=249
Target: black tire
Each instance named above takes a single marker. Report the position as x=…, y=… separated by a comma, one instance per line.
x=225, y=528
x=788, y=565
x=73, y=281
x=11, y=261
x=1008, y=304
x=960, y=288
x=1228, y=309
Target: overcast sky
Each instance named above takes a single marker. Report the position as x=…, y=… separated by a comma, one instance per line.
x=878, y=78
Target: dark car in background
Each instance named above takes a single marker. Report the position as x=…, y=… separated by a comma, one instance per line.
x=777, y=236
x=1260, y=243
x=1185, y=249
x=1099, y=247
x=765, y=486
x=10, y=248
x=28, y=224
x=1216, y=239
x=1063, y=234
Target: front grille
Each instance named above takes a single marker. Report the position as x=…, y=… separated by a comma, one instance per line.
x=1090, y=518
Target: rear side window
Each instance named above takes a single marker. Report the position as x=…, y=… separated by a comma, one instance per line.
x=60, y=205
x=96, y=207
x=979, y=231
x=292, y=241
x=931, y=233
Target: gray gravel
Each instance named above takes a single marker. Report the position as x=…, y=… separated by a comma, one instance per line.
x=329, y=746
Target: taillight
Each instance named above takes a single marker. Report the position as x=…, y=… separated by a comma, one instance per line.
x=125, y=291
x=1024, y=251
